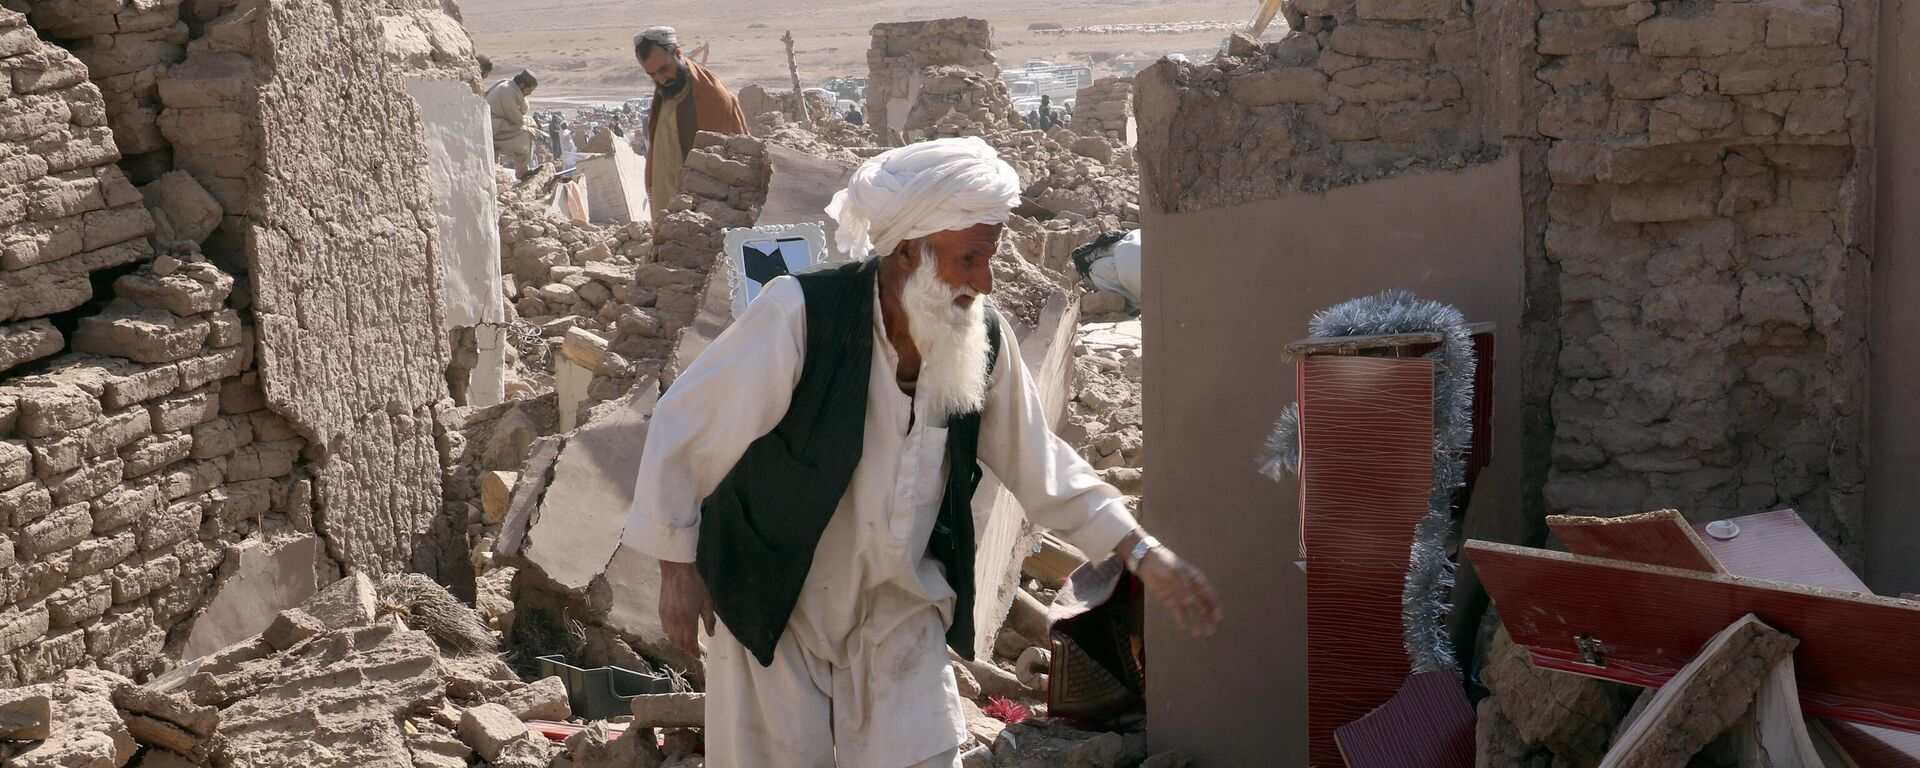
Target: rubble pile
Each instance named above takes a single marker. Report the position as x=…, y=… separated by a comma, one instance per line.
x=756, y=102
x=357, y=675
x=959, y=101
x=558, y=275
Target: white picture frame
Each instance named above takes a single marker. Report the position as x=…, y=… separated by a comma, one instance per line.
x=795, y=246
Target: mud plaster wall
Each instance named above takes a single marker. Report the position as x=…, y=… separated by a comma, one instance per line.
x=1711, y=188
x=1892, y=484
x=1215, y=382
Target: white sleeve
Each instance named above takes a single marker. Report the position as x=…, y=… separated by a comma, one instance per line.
x=733, y=393
x=1056, y=487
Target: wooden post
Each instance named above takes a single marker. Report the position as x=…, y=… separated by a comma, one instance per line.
x=799, y=97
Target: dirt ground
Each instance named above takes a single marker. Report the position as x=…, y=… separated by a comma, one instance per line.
x=583, y=49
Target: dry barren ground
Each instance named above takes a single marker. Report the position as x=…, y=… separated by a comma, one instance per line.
x=582, y=49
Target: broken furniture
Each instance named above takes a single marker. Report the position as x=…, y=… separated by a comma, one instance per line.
x=602, y=692
x=1367, y=475
x=1629, y=615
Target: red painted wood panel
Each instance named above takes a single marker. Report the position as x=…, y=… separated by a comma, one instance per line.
x=1654, y=538
x=1779, y=546
x=1427, y=724
x=1871, y=747
x=1366, y=439
x=1652, y=620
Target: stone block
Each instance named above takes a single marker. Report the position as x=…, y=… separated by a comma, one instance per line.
x=221, y=437
x=1797, y=24
x=21, y=625
x=141, y=386
x=51, y=410
x=166, y=526
x=496, y=491
x=53, y=456
x=100, y=229
x=186, y=293
x=1730, y=28
x=59, y=530
x=1572, y=715
x=124, y=506
x=25, y=503
x=41, y=243
x=1281, y=85
x=1668, y=202
x=145, y=334
x=1382, y=43
x=28, y=341
x=193, y=477
x=16, y=466
x=489, y=728
x=99, y=553
x=227, y=329
x=260, y=460
x=345, y=604
x=167, y=722
x=183, y=412
x=190, y=210
x=137, y=580
x=87, y=483
x=230, y=504
x=543, y=699
x=26, y=714
x=85, y=599
x=269, y=426
x=117, y=430
x=290, y=628
x=124, y=630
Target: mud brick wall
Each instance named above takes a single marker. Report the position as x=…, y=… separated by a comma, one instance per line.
x=129, y=468
x=1707, y=215
x=1104, y=108
x=66, y=211
x=126, y=46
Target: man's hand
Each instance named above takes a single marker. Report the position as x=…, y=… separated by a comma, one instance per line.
x=684, y=604
x=1183, y=589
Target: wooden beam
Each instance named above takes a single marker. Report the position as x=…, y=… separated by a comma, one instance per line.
x=1054, y=561
x=1654, y=538
x=1354, y=345
x=1705, y=698
x=1640, y=624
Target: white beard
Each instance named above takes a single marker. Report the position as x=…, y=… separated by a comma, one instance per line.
x=952, y=341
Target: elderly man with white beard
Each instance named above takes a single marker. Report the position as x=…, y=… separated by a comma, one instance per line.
x=808, y=480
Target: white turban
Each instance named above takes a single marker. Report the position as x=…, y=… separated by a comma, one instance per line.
x=920, y=189
x=660, y=35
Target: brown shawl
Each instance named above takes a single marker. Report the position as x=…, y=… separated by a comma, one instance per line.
x=709, y=107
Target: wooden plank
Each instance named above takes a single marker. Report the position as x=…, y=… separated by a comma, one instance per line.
x=1353, y=345
x=1053, y=561
x=1778, y=546
x=1649, y=621
x=1654, y=538
x=1366, y=439
x=1705, y=698
x=1427, y=724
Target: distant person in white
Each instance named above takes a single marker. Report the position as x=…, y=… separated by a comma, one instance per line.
x=853, y=672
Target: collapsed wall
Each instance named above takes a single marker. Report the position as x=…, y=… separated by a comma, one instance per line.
x=277, y=115
x=953, y=58
x=126, y=47
x=1105, y=108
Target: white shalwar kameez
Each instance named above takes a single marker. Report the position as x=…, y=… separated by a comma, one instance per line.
x=860, y=678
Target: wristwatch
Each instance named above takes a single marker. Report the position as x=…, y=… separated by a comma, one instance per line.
x=1146, y=544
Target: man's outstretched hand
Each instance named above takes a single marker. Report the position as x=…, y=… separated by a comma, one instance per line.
x=684, y=604
x=1183, y=589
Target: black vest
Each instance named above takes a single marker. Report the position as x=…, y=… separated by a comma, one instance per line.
x=759, y=528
